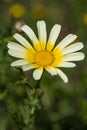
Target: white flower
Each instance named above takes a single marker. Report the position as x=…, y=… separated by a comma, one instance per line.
x=43, y=54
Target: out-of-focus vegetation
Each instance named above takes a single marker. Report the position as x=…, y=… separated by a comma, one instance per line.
x=64, y=105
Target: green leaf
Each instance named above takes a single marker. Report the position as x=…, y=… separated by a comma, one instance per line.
x=3, y=95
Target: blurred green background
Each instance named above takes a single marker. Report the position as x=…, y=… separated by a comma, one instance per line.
x=64, y=105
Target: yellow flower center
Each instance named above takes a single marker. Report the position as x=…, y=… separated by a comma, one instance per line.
x=44, y=58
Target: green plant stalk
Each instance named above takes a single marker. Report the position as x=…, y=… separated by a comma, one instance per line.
x=24, y=114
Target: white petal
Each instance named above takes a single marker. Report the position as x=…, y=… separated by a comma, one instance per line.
x=74, y=56
x=15, y=46
x=16, y=54
x=42, y=34
x=22, y=40
x=30, y=33
x=67, y=40
x=54, y=33
x=62, y=75
x=51, y=70
x=67, y=64
x=74, y=47
x=37, y=73
x=27, y=67
x=19, y=62
x=53, y=36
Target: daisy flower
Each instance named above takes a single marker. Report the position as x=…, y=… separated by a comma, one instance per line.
x=17, y=10
x=42, y=54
